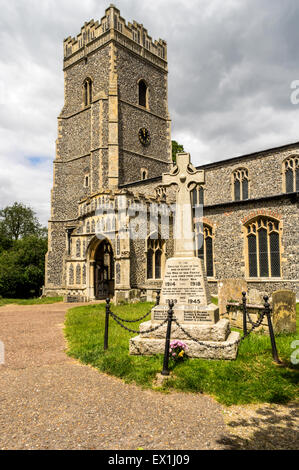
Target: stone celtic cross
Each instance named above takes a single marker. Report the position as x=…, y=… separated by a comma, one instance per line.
x=185, y=177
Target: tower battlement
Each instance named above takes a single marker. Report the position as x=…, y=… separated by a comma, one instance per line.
x=112, y=26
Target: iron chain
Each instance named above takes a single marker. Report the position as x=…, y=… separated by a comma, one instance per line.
x=131, y=321
x=255, y=325
x=150, y=330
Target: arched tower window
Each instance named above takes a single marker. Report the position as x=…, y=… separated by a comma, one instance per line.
x=263, y=248
x=291, y=174
x=240, y=184
x=87, y=91
x=144, y=173
x=155, y=257
x=142, y=93
x=204, y=247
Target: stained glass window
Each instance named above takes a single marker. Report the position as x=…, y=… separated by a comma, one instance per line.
x=263, y=241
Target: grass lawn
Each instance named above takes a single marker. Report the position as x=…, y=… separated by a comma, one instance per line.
x=36, y=301
x=252, y=378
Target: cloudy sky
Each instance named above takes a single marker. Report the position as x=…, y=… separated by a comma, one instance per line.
x=231, y=65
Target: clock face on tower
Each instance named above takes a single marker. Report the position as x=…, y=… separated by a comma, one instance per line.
x=144, y=136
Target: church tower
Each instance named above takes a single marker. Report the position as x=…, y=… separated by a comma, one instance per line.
x=113, y=130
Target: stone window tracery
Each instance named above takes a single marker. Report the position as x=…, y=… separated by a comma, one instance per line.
x=291, y=174
x=155, y=257
x=263, y=248
x=240, y=184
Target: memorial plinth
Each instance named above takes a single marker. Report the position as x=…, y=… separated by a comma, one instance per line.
x=185, y=283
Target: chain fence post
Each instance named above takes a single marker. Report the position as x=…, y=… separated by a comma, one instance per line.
x=158, y=297
x=271, y=331
x=244, y=300
x=165, y=370
x=106, y=324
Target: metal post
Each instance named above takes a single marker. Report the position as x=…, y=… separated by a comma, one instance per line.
x=271, y=331
x=244, y=314
x=158, y=297
x=165, y=370
x=106, y=324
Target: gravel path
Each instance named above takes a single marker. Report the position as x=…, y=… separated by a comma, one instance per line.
x=49, y=401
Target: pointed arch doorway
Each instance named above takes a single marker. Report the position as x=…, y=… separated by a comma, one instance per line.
x=103, y=272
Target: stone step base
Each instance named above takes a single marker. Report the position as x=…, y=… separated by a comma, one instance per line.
x=150, y=346
x=215, y=332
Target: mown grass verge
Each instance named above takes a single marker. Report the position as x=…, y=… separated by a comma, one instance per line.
x=36, y=301
x=252, y=378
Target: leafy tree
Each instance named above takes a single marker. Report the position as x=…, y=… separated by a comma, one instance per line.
x=18, y=221
x=176, y=148
x=23, y=245
x=5, y=243
x=22, y=267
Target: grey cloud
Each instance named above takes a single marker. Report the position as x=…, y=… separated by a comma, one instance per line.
x=230, y=68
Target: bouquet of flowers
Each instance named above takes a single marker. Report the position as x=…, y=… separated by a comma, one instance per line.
x=178, y=350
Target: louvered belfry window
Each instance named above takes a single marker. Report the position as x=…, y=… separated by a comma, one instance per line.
x=263, y=245
x=204, y=247
x=240, y=182
x=291, y=174
x=142, y=93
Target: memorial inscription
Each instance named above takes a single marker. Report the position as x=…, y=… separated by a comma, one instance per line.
x=183, y=282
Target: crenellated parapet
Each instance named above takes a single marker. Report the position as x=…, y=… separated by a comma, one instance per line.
x=112, y=26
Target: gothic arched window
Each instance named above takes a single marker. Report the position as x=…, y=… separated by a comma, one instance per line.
x=263, y=248
x=291, y=174
x=204, y=247
x=87, y=91
x=142, y=93
x=155, y=257
x=240, y=184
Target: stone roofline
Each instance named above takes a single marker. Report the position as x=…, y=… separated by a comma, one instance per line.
x=112, y=26
x=260, y=153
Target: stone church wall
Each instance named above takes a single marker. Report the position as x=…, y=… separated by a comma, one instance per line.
x=230, y=242
x=264, y=171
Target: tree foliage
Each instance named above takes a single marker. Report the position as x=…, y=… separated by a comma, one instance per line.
x=18, y=221
x=176, y=148
x=23, y=245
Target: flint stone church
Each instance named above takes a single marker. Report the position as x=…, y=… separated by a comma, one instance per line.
x=114, y=143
